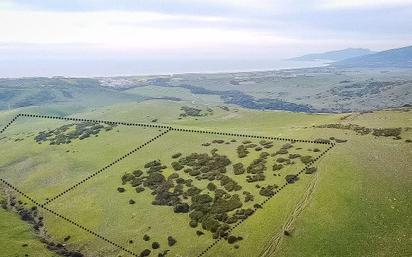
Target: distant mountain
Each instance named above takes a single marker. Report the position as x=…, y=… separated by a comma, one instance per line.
x=334, y=55
x=393, y=58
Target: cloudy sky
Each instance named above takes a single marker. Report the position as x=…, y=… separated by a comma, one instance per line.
x=120, y=37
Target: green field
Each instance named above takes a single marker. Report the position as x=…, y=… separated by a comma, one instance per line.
x=357, y=202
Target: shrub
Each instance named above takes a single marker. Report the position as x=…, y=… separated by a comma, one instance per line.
x=267, y=191
x=194, y=172
x=199, y=233
x=146, y=237
x=193, y=223
x=171, y=241
x=306, y=159
x=242, y=151
x=277, y=167
x=155, y=245
x=231, y=239
x=340, y=140
x=139, y=189
x=176, y=155
x=281, y=160
x=181, y=208
x=287, y=146
x=291, y=178
x=311, y=170
x=282, y=151
x=387, y=132
x=211, y=186
x=146, y=252
x=238, y=168
x=121, y=189
x=177, y=166
x=127, y=177
x=131, y=201
x=294, y=155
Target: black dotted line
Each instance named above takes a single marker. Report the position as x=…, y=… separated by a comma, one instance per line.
x=97, y=121
x=10, y=122
x=169, y=128
x=177, y=129
x=267, y=199
x=105, y=168
x=250, y=136
x=68, y=220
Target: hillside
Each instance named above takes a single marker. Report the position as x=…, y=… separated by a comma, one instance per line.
x=337, y=55
x=310, y=90
x=354, y=202
x=393, y=58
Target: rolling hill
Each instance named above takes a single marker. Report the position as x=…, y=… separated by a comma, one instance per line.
x=393, y=58
x=337, y=55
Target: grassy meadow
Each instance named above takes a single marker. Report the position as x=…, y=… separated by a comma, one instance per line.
x=357, y=203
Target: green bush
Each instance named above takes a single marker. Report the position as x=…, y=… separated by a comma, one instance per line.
x=306, y=159
x=145, y=252
x=231, y=239
x=277, y=167
x=211, y=186
x=311, y=170
x=171, y=241
x=176, y=155
x=139, y=189
x=291, y=178
x=155, y=245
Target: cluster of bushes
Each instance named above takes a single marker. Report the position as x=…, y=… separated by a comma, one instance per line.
x=66, y=133
x=211, y=212
x=242, y=150
x=387, y=132
x=277, y=167
x=360, y=130
x=268, y=191
x=238, y=168
x=191, y=111
x=248, y=197
x=258, y=165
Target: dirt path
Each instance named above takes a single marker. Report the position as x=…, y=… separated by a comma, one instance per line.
x=272, y=246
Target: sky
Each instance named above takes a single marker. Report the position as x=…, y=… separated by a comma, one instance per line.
x=132, y=37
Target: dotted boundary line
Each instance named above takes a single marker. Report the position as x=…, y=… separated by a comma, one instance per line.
x=174, y=128
x=105, y=168
x=169, y=128
x=67, y=219
x=10, y=122
x=266, y=200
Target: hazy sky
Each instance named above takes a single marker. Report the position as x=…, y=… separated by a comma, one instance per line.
x=91, y=37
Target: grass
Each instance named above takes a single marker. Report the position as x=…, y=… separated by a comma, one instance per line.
x=17, y=237
x=98, y=205
x=44, y=170
x=360, y=206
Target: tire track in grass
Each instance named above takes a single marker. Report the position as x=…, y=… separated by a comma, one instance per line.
x=272, y=246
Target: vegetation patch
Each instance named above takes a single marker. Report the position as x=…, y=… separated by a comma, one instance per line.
x=67, y=133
